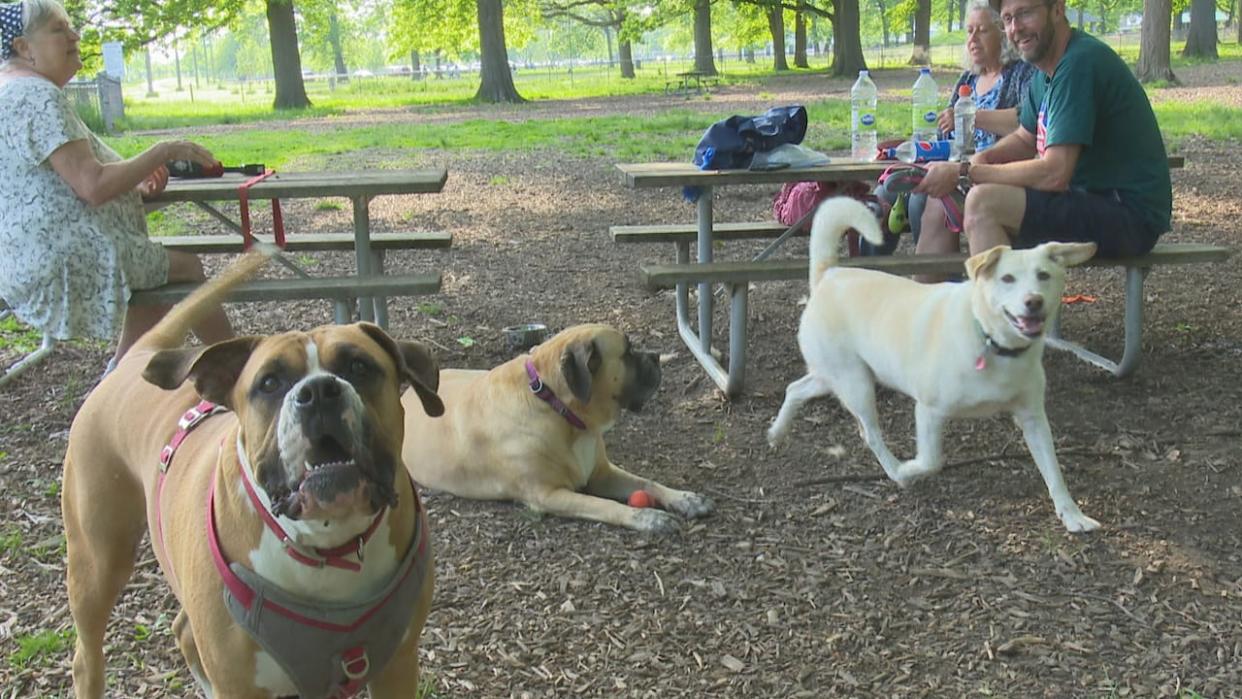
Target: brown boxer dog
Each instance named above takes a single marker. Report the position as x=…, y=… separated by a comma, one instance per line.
x=532, y=430
x=285, y=525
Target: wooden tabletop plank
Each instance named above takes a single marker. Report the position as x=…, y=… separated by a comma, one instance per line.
x=294, y=185
x=662, y=276
x=643, y=175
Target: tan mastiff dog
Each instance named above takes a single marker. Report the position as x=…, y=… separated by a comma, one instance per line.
x=532, y=430
x=285, y=525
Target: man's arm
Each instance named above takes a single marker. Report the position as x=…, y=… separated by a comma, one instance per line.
x=1018, y=144
x=1051, y=173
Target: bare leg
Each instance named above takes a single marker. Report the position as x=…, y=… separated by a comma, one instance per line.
x=182, y=267
x=935, y=238
x=993, y=215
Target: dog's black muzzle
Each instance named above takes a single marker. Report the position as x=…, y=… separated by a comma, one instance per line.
x=643, y=368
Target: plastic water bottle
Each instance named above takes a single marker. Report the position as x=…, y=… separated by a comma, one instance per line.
x=922, y=151
x=964, y=122
x=862, y=117
x=926, y=107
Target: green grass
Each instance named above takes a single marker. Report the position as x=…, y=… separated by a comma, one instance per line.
x=40, y=648
x=17, y=337
x=10, y=541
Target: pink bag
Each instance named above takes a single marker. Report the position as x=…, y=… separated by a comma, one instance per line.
x=797, y=199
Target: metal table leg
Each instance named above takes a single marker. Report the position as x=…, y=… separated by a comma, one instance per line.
x=362, y=252
x=1135, y=276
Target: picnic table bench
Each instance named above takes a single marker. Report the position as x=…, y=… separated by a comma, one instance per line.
x=736, y=276
x=370, y=295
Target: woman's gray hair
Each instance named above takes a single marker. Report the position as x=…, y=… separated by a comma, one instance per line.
x=1008, y=53
x=35, y=14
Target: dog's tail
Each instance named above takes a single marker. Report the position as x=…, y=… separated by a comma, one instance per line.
x=170, y=332
x=834, y=217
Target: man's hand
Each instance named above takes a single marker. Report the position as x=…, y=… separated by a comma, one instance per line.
x=941, y=178
x=154, y=183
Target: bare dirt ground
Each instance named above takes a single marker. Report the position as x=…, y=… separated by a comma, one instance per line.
x=966, y=585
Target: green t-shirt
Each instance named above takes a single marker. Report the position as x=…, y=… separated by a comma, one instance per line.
x=1093, y=100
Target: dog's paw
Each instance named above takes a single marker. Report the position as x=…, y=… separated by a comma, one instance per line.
x=777, y=435
x=692, y=505
x=653, y=521
x=911, y=472
x=1077, y=522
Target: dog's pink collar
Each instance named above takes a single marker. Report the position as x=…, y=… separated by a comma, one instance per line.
x=314, y=557
x=544, y=393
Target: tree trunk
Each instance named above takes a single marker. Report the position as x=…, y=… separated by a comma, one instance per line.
x=286, y=61
x=150, y=82
x=921, y=56
x=776, y=25
x=416, y=65
x=847, y=54
x=612, y=58
x=626, y=50
x=177, y=60
x=338, y=56
x=495, y=80
x=800, y=37
x=1201, y=41
x=703, y=60
x=1153, y=61
x=879, y=6
x=750, y=54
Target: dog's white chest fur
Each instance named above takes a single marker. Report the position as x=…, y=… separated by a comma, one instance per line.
x=584, y=448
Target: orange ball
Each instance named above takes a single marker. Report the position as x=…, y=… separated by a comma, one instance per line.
x=641, y=498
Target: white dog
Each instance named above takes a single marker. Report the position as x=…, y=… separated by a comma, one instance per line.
x=959, y=349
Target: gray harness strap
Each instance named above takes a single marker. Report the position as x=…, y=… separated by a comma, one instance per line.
x=329, y=650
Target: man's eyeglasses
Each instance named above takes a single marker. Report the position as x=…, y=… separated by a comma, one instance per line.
x=1022, y=16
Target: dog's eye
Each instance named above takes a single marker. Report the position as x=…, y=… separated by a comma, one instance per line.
x=359, y=368
x=1008, y=279
x=270, y=383
x=1042, y=276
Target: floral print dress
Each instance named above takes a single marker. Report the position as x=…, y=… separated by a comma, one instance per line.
x=66, y=267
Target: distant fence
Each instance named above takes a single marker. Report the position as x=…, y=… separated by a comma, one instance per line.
x=98, y=101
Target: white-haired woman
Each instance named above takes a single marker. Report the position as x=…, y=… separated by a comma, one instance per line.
x=999, y=78
x=72, y=227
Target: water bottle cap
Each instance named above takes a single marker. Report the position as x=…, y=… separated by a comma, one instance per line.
x=964, y=91
x=925, y=70
x=861, y=73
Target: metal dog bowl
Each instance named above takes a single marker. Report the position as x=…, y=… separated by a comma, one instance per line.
x=519, y=338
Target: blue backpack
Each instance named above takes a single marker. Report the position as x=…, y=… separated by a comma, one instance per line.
x=731, y=143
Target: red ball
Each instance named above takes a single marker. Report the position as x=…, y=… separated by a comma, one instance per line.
x=641, y=498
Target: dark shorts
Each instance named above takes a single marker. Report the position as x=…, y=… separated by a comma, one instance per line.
x=1079, y=216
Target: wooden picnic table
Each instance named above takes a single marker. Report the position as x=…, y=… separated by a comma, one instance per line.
x=649, y=175
x=699, y=342
x=358, y=187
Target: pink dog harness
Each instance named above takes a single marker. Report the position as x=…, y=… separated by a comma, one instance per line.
x=329, y=650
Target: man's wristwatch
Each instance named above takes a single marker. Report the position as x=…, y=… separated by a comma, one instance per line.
x=963, y=175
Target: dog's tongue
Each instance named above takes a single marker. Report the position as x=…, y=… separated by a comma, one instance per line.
x=1030, y=325
x=332, y=488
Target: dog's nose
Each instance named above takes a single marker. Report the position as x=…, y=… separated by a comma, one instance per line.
x=1034, y=303
x=323, y=392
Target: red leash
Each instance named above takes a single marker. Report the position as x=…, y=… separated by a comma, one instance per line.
x=278, y=223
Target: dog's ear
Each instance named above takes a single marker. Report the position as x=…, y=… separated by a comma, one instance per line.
x=1070, y=254
x=415, y=364
x=579, y=362
x=214, y=369
x=981, y=265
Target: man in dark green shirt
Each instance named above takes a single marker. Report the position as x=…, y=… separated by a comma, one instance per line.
x=1087, y=162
